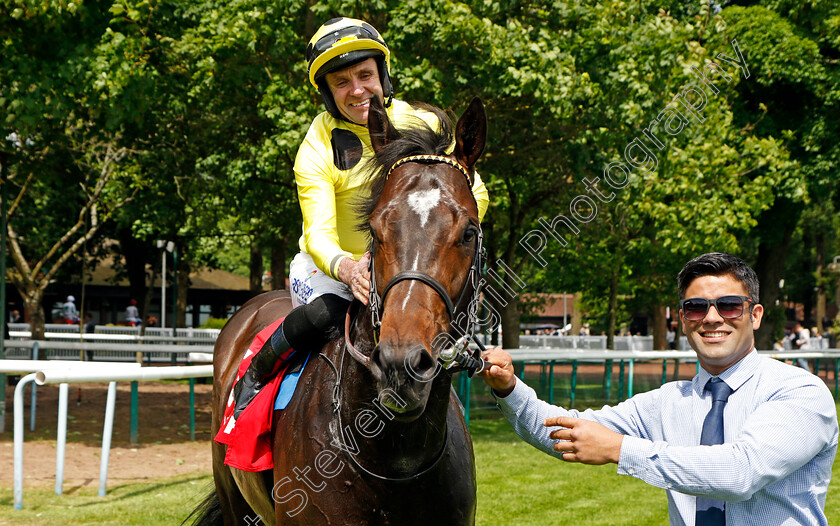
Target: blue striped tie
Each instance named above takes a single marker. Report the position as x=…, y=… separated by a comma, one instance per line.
x=710, y=511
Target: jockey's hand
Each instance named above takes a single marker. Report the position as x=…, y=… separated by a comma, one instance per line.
x=356, y=275
x=500, y=375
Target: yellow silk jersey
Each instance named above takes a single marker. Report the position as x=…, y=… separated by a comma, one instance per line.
x=329, y=178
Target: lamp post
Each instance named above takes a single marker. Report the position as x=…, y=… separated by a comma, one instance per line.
x=165, y=246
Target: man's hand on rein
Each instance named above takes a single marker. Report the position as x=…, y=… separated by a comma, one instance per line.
x=500, y=375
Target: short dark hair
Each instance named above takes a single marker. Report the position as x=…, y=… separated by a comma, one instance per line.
x=718, y=264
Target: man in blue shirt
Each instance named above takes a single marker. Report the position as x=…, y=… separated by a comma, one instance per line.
x=776, y=425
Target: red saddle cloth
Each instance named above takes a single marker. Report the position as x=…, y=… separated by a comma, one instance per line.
x=249, y=437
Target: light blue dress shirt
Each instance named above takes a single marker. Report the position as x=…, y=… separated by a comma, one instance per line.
x=780, y=427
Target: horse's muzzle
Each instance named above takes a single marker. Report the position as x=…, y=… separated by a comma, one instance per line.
x=408, y=372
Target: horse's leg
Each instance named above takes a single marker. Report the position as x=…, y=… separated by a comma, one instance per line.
x=231, y=501
x=230, y=346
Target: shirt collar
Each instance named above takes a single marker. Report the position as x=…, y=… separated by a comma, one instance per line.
x=735, y=376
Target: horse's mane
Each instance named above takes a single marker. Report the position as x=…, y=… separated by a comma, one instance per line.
x=417, y=139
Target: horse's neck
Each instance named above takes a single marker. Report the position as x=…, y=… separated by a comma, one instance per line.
x=393, y=448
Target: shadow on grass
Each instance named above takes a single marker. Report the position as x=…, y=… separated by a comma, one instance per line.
x=146, y=487
x=74, y=489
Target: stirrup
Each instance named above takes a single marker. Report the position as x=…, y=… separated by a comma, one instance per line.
x=244, y=394
x=259, y=371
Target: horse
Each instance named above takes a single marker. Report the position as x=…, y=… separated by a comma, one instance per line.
x=375, y=433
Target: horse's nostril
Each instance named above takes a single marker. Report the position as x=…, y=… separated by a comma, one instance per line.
x=376, y=361
x=420, y=363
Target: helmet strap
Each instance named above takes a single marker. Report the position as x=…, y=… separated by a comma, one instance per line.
x=385, y=79
x=329, y=101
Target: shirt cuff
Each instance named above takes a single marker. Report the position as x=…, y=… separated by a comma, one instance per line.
x=516, y=400
x=334, y=263
x=632, y=459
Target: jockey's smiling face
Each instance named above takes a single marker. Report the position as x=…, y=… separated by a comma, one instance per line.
x=353, y=87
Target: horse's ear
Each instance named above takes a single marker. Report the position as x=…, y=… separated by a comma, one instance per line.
x=471, y=135
x=379, y=125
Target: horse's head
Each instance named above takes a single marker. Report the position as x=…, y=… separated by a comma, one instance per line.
x=423, y=221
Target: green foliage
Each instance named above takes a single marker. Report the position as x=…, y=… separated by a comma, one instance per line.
x=214, y=323
x=209, y=101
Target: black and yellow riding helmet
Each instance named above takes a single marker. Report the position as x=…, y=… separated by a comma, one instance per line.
x=343, y=42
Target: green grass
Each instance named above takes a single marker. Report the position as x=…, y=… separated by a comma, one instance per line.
x=516, y=485
x=166, y=501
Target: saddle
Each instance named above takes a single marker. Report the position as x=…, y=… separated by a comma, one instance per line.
x=249, y=437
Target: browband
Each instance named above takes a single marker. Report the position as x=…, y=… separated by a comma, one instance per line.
x=429, y=159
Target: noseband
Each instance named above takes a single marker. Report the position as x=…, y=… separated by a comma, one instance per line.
x=453, y=308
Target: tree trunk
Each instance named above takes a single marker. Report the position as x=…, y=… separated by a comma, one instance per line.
x=819, y=247
x=577, y=315
x=256, y=268
x=613, y=308
x=135, y=254
x=837, y=303
x=183, y=290
x=33, y=301
x=660, y=328
x=147, y=301
x=770, y=267
x=679, y=332
x=510, y=325
x=278, y=265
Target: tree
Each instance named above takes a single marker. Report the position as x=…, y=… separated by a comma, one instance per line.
x=65, y=158
x=794, y=52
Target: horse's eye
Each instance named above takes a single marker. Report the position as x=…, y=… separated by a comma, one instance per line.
x=469, y=235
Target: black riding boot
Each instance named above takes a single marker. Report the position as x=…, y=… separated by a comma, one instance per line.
x=259, y=371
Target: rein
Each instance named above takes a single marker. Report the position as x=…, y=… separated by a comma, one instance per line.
x=336, y=405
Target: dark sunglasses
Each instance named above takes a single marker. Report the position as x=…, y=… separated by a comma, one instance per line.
x=729, y=307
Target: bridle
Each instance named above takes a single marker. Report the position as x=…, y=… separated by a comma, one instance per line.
x=453, y=358
x=459, y=355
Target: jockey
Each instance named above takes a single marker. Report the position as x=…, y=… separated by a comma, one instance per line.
x=348, y=62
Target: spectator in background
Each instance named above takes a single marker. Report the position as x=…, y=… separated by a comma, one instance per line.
x=71, y=315
x=801, y=340
x=15, y=317
x=90, y=325
x=671, y=338
x=89, y=328
x=132, y=315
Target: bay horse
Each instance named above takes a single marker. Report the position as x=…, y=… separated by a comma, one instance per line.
x=375, y=435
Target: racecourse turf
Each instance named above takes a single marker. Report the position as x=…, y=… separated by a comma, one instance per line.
x=516, y=485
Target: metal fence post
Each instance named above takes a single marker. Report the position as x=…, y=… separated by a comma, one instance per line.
x=61, y=438
x=33, y=404
x=551, y=382
x=621, y=381
x=664, y=371
x=106, y=436
x=133, y=421
x=192, y=409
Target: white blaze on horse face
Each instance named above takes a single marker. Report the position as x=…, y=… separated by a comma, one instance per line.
x=423, y=202
x=411, y=285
